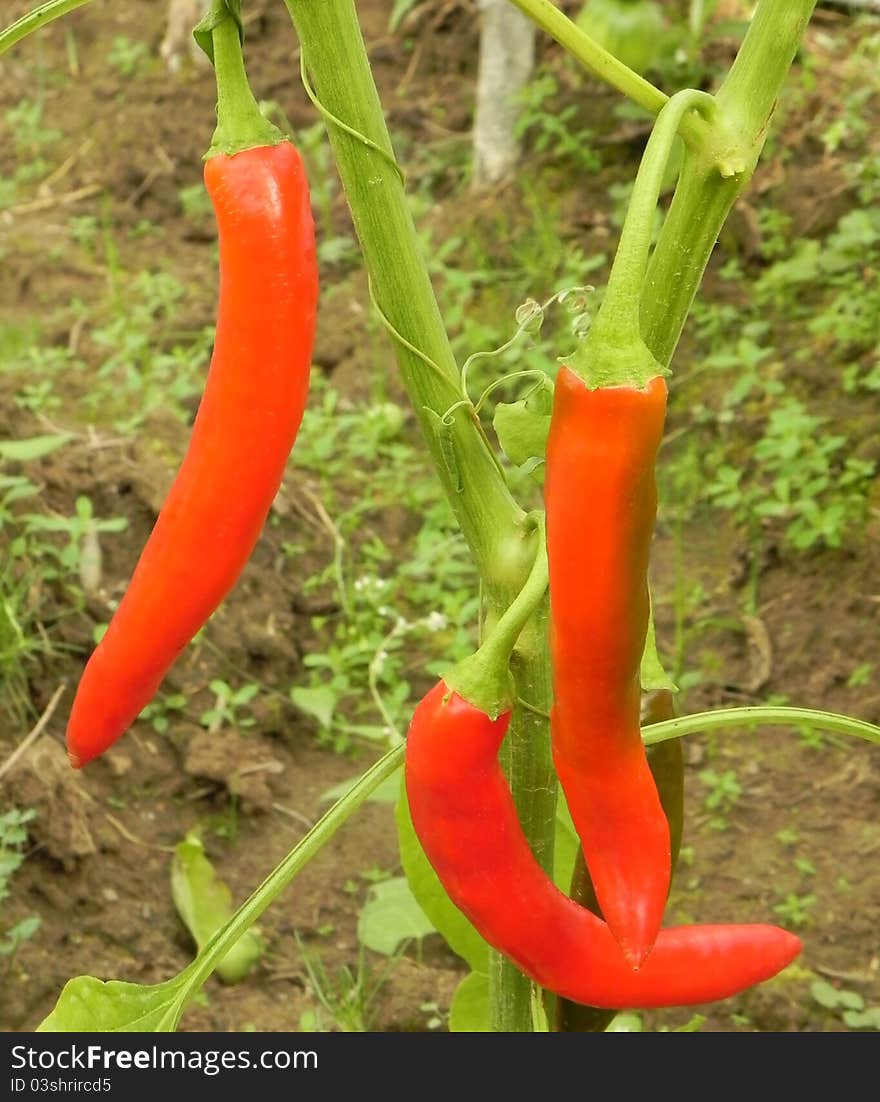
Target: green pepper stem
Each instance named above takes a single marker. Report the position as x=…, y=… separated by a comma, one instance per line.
x=484, y=678
x=277, y=880
x=240, y=123
x=342, y=82
x=604, y=65
x=704, y=196
x=613, y=353
x=491, y=520
x=619, y=313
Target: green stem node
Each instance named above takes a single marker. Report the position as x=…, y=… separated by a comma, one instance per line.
x=484, y=678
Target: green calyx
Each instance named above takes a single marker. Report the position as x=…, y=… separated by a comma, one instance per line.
x=240, y=123
x=611, y=356
x=484, y=679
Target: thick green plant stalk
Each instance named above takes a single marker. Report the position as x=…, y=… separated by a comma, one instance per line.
x=528, y=762
x=715, y=175
x=496, y=529
x=336, y=63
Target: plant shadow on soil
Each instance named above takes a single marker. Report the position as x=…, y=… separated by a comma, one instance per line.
x=806, y=822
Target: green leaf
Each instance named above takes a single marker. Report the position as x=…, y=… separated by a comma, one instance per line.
x=88, y=1005
x=469, y=1012
x=540, y=1021
x=204, y=903
x=522, y=427
x=653, y=676
x=459, y=934
x=627, y=1021
x=565, y=847
x=219, y=10
x=635, y=31
x=21, y=451
x=868, y=1019
x=391, y=916
x=19, y=933
x=320, y=703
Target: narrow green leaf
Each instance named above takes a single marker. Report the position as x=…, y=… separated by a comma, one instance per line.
x=566, y=846
x=21, y=451
x=653, y=676
x=398, y=13
x=204, y=903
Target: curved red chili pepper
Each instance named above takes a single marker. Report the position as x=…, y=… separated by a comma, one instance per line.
x=246, y=425
x=465, y=818
x=601, y=501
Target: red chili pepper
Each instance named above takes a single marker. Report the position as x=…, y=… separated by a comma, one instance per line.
x=601, y=501
x=246, y=425
x=666, y=761
x=465, y=818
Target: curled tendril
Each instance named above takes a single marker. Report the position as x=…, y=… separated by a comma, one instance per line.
x=448, y=417
x=543, y=379
x=343, y=126
x=529, y=317
x=401, y=339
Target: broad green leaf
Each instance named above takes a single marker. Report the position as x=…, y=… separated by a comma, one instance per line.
x=522, y=431
x=391, y=916
x=448, y=920
x=833, y=998
x=868, y=1019
x=469, y=1012
x=88, y=1005
x=824, y=994
x=204, y=903
x=627, y=1021
x=320, y=703
x=21, y=451
x=635, y=31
